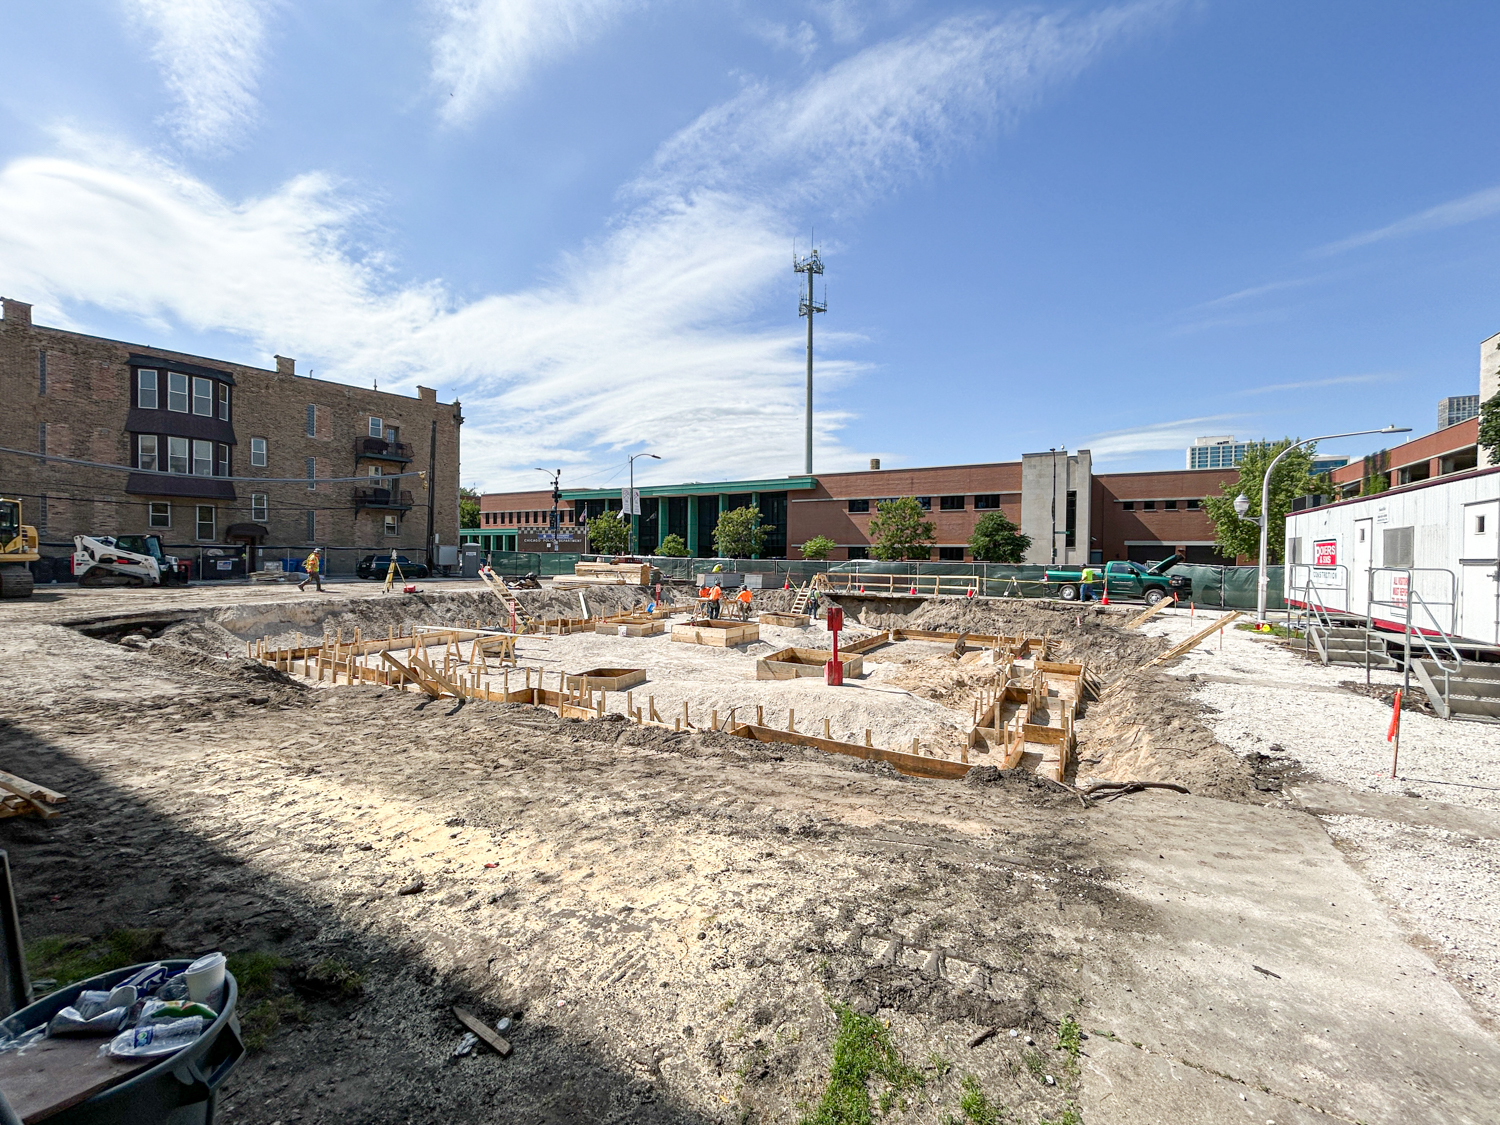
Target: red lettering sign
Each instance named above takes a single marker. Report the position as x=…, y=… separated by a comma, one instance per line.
x=1326, y=552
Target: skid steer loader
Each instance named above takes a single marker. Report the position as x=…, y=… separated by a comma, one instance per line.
x=124, y=560
x=18, y=545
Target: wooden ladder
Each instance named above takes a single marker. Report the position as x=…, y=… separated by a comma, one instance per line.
x=804, y=594
x=519, y=621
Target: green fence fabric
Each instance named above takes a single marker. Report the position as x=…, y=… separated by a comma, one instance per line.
x=1230, y=587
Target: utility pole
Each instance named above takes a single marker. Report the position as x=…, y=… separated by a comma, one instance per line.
x=633, y=504
x=806, y=306
x=552, y=527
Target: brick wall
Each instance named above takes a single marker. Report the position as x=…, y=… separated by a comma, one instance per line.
x=1119, y=528
x=88, y=395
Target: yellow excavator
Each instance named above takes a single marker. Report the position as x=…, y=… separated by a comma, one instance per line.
x=18, y=549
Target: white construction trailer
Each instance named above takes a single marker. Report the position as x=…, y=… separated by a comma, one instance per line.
x=1428, y=553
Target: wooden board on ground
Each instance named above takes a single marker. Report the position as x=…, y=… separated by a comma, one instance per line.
x=606, y=679
x=633, y=574
x=57, y=1073
x=491, y=1037
x=719, y=634
x=1137, y=622
x=786, y=620
x=914, y=765
x=1194, y=641
x=19, y=797
x=792, y=663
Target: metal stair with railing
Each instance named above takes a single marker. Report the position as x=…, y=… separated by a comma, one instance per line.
x=1349, y=644
x=1470, y=690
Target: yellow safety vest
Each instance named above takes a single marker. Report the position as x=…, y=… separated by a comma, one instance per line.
x=311, y=564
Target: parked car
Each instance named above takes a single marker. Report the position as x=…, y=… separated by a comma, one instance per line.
x=375, y=566
x=1126, y=580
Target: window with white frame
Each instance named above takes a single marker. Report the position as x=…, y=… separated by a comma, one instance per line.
x=376, y=472
x=177, y=454
x=145, y=388
x=161, y=514
x=312, y=473
x=206, y=522
x=222, y=467
x=392, y=525
x=223, y=402
x=145, y=452
x=258, y=507
x=203, y=396
x=258, y=452
x=203, y=458
x=177, y=392
x=377, y=428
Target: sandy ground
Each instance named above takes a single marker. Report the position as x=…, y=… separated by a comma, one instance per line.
x=672, y=917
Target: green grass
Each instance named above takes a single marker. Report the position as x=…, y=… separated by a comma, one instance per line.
x=67, y=958
x=1270, y=630
x=1034, y=1065
x=260, y=1022
x=1070, y=1116
x=862, y=1050
x=976, y=1106
x=1069, y=1036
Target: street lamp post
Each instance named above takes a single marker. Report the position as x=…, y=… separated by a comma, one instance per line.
x=633, y=517
x=1242, y=505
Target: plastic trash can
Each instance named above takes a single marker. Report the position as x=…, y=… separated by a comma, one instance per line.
x=182, y=1089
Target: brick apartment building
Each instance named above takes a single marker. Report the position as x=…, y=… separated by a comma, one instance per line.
x=1140, y=516
x=212, y=445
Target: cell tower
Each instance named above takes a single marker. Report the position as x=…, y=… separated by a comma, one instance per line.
x=811, y=265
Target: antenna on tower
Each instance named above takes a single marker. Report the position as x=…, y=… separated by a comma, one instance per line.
x=812, y=265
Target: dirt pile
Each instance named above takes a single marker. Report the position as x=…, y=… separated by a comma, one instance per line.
x=1146, y=726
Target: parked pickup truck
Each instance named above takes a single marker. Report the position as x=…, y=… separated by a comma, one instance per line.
x=1126, y=580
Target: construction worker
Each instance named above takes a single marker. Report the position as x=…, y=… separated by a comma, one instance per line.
x=744, y=598
x=715, y=595
x=1086, y=585
x=703, y=600
x=313, y=565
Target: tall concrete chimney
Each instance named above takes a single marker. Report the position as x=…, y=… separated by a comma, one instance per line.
x=874, y=463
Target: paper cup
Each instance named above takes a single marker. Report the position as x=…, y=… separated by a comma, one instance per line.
x=204, y=977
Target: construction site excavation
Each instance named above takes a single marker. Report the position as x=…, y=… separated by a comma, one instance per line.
x=589, y=852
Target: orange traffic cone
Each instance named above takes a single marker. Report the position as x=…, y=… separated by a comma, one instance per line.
x=1105, y=600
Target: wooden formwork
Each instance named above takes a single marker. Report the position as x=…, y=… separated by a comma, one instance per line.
x=719, y=634
x=787, y=620
x=1032, y=713
x=631, y=626
x=606, y=679
x=793, y=663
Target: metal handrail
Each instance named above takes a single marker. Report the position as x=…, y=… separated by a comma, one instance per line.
x=1313, y=612
x=1414, y=596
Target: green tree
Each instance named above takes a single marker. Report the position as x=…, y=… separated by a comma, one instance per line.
x=997, y=540
x=899, y=530
x=468, y=508
x=608, y=534
x=673, y=546
x=1489, y=427
x=1293, y=478
x=818, y=547
x=740, y=534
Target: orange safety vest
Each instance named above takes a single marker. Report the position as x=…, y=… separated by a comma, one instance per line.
x=745, y=596
x=715, y=594
x=703, y=592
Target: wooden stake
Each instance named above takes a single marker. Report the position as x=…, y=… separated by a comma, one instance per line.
x=867, y=737
x=713, y=722
x=791, y=718
x=760, y=718
x=826, y=734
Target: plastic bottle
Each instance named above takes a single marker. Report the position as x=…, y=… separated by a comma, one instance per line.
x=153, y=1039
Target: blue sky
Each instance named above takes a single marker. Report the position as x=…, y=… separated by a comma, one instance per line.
x=1112, y=226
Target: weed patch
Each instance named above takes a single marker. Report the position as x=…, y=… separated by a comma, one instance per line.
x=69, y=957
x=976, y=1105
x=862, y=1050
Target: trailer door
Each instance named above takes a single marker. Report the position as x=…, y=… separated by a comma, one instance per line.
x=1479, y=596
x=1359, y=566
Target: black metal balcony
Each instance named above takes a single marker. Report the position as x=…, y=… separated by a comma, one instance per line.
x=385, y=498
x=385, y=450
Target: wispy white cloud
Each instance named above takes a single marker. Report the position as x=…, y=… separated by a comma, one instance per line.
x=1178, y=434
x=573, y=372
x=1313, y=384
x=1256, y=291
x=484, y=49
x=1456, y=212
x=210, y=52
